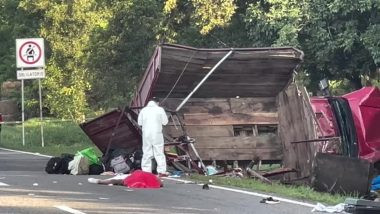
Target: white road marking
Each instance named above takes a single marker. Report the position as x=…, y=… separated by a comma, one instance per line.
x=29, y=153
x=3, y=184
x=68, y=209
x=249, y=193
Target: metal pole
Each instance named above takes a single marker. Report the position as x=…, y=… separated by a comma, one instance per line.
x=204, y=79
x=42, y=128
x=22, y=111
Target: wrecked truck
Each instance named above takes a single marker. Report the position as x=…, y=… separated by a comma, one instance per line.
x=349, y=126
x=355, y=117
x=232, y=115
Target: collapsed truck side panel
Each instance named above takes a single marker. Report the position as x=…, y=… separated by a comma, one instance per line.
x=230, y=128
x=233, y=114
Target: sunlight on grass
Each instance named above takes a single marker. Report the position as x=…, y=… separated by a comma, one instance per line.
x=295, y=192
x=59, y=137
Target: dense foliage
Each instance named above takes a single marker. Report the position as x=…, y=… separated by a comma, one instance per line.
x=98, y=49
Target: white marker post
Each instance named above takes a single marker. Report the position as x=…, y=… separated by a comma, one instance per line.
x=22, y=111
x=30, y=54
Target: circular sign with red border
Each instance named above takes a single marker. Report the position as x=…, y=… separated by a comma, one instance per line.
x=30, y=52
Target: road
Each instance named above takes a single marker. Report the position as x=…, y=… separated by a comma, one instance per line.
x=26, y=188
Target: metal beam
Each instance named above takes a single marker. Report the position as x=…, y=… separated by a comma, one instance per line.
x=204, y=79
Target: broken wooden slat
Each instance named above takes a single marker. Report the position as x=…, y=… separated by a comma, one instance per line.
x=230, y=119
x=202, y=131
x=278, y=172
x=296, y=123
x=252, y=173
x=251, y=142
x=249, y=105
x=212, y=106
x=240, y=154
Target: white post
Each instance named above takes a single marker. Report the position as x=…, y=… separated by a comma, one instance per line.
x=42, y=129
x=22, y=111
x=204, y=79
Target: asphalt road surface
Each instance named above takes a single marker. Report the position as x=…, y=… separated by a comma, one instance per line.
x=26, y=188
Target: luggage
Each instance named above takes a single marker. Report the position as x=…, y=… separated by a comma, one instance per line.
x=120, y=164
x=96, y=169
x=53, y=166
x=59, y=165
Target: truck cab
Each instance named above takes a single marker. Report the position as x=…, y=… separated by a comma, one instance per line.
x=355, y=118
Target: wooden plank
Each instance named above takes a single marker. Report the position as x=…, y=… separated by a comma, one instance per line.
x=240, y=154
x=251, y=142
x=230, y=119
x=211, y=106
x=250, y=70
x=202, y=131
x=249, y=105
x=295, y=124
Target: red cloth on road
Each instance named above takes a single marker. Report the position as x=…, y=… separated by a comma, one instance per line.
x=141, y=179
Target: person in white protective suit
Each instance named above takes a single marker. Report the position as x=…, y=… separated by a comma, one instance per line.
x=152, y=117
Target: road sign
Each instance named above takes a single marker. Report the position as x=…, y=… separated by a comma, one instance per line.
x=31, y=74
x=30, y=53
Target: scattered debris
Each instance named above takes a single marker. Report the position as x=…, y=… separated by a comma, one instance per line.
x=353, y=178
x=252, y=173
x=205, y=186
x=375, y=186
x=329, y=209
x=358, y=206
x=211, y=170
x=269, y=200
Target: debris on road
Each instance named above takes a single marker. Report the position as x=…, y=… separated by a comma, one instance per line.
x=270, y=200
x=339, y=208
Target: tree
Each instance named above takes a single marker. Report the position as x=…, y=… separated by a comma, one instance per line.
x=120, y=51
x=14, y=23
x=67, y=26
x=337, y=36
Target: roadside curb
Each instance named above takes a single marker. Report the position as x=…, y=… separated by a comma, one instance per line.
x=248, y=193
x=29, y=153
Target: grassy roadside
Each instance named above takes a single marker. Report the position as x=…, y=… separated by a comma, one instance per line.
x=67, y=137
x=59, y=137
x=295, y=192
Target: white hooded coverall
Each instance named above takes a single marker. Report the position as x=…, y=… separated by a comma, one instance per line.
x=152, y=117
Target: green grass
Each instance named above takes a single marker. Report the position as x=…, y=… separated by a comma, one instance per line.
x=295, y=192
x=59, y=137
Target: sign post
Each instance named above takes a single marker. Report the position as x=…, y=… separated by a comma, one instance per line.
x=22, y=111
x=30, y=58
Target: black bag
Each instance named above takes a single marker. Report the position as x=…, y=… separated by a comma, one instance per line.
x=96, y=169
x=54, y=165
x=136, y=159
x=59, y=165
x=66, y=158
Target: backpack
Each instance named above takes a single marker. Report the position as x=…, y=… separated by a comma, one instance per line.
x=120, y=164
x=53, y=166
x=96, y=169
x=65, y=160
x=136, y=159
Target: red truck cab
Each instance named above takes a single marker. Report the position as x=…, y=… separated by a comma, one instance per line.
x=355, y=117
